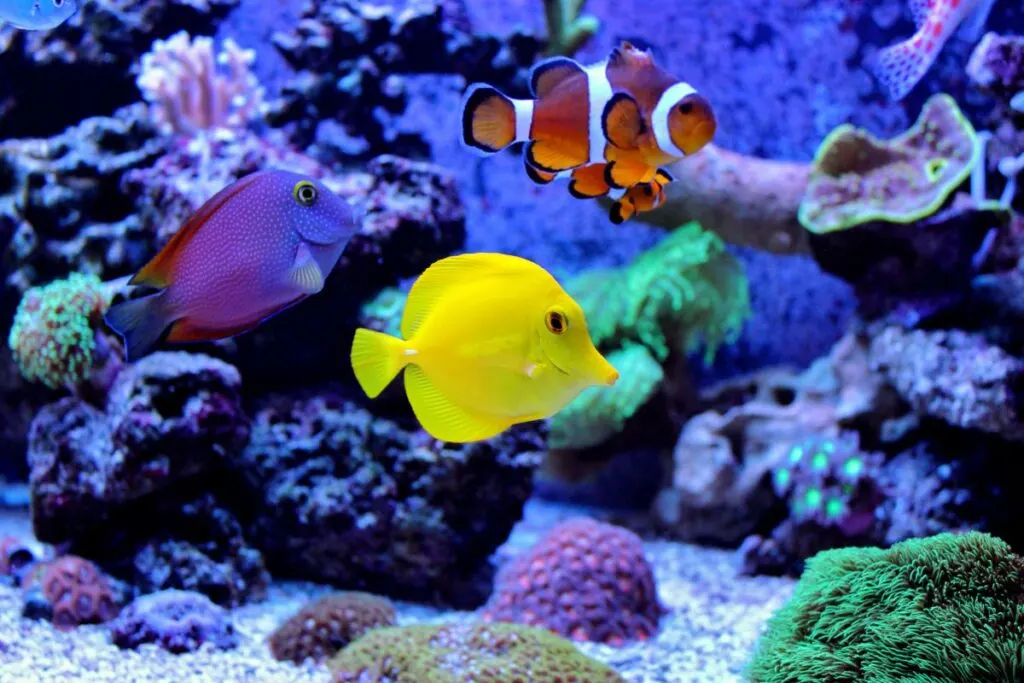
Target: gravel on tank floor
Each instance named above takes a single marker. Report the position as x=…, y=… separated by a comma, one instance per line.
x=714, y=620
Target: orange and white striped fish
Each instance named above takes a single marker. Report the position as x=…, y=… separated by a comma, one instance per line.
x=610, y=128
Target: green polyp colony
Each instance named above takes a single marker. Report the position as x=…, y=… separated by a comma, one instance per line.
x=813, y=497
x=853, y=467
x=853, y=172
x=782, y=478
x=384, y=311
x=834, y=508
x=795, y=454
x=53, y=336
x=819, y=461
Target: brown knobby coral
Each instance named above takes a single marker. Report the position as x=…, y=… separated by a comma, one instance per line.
x=322, y=628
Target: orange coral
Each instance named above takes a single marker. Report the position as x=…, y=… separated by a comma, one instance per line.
x=321, y=629
x=586, y=580
x=76, y=592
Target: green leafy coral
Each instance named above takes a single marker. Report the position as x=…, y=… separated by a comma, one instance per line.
x=600, y=413
x=567, y=28
x=53, y=338
x=944, y=609
x=857, y=178
x=685, y=292
x=482, y=653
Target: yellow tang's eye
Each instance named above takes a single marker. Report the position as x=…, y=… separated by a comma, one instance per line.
x=556, y=321
x=305, y=193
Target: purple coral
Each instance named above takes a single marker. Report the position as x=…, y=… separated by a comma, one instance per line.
x=178, y=621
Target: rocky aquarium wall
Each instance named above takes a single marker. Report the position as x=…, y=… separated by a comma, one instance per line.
x=784, y=447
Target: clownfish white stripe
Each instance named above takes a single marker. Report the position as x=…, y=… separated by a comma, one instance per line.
x=659, y=117
x=616, y=193
x=599, y=90
x=524, y=119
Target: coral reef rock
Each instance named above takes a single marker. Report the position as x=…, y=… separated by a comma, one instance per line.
x=177, y=621
x=323, y=628
x=954, y=376
x=351, y=59
x=585, y=580
x=482, y=653
x=371, y=504
x=89, y=59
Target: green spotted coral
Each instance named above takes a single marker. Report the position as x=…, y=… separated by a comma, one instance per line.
x=685, y=292
x=600, y=413
x=943, y=609
x=455, y=653
x=53, y=338
x=857, y=178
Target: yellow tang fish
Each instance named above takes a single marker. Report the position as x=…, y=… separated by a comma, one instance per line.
x=489, y=341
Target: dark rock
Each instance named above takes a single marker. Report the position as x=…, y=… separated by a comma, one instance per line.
x=377, y=505
x=88, y=60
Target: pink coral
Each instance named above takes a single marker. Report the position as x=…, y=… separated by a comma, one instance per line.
x=75, y=591
x=586, y=580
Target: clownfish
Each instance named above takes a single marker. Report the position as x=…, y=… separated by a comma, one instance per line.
x=610, y=127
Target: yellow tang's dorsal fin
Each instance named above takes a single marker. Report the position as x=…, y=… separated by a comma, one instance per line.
x=441, y=418
x=155, y=272
x=456, y=271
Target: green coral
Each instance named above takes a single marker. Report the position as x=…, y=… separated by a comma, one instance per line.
x=857, y=178
x=600, y=413
x=482, y=653
x=944, y=609
x=53, y=337
x=384, y=311
x=684, y=292
x=567, y=29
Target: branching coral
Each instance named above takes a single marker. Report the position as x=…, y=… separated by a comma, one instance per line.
x=585, y=580
x=324, y=627
x=568, y=30
x=179, y=77
x=599, y=413
x=857, y=178
x=945, y=609
x=55, y=338
x=481, y=653
x=685, y=292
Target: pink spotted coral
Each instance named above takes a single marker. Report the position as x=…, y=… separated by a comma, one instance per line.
x=54, y=337
x=69, y=591
x=586, y=580
x=187, y=93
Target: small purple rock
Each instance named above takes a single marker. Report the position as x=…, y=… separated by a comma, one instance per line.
x=178, y=621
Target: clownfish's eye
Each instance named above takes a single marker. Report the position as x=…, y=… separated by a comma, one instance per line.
x=686, y=107
x=556, y=322
x=305, y=193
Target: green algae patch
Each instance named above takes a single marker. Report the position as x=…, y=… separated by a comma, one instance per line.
x=857, y=178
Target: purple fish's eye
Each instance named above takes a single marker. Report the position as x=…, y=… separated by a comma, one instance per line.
x=556, y=321
x=305, y=193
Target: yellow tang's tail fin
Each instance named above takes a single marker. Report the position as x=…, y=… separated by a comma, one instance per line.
x=376, y=359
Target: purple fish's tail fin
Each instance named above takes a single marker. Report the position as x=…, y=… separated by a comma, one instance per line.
x=377, y=358
x=899, y=67
x=141, y=323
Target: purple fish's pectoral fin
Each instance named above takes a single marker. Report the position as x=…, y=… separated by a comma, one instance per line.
x=305, y=274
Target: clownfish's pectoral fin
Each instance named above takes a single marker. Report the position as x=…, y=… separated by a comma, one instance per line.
x=547, y=74
x=588, y=182
x=627, y=173
x=622, y=209
x=663, y=177
x=621, y=122
x=550, y=157
x=491, y=121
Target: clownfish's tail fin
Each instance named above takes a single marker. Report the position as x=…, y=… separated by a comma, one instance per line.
x=491, y=121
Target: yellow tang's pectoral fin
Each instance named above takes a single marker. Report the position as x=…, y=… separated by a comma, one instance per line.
x=441, y=418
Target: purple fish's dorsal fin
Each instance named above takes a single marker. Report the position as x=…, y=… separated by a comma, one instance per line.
x=157, y=271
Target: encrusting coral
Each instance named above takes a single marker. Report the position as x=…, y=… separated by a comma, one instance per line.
x=946, y=609
x=857, y=178
x=481, y=653
x=585, y=580
x=187, y=93
x=177, y=621
x=324, y=627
